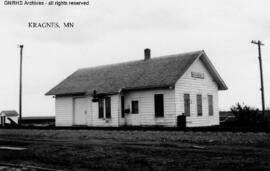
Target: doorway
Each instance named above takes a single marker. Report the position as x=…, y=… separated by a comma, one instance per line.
x=80, y=111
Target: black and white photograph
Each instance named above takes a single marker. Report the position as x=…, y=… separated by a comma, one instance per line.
x=134, y=85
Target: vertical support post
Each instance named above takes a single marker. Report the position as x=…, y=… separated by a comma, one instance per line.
x=20, y=89
x=259, y=43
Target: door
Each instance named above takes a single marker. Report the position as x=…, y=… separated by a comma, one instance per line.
x=134, y=118
x=80, y=111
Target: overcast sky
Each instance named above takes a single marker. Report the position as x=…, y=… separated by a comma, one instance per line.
x=112, y=31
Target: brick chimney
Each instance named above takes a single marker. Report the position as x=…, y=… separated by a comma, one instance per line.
x=147, y=54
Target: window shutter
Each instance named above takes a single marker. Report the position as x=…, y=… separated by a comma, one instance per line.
x=122, y=106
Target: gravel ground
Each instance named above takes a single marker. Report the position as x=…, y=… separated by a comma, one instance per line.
x=136, y=150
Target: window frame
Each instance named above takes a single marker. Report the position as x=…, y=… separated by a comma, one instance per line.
x=210, y=106
x=185, y=109
x=199, y=104
x=104, y=108
x=159, y=108
x=108, y=107
x=101, y=108
x=132, y=105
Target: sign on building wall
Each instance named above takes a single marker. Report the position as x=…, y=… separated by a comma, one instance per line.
x=197, y=75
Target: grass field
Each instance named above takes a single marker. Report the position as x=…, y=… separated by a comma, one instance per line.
x=136, y=150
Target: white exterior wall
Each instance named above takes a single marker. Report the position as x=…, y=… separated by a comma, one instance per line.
x=64, y=108
x=63, y=111
x=194, y=86
x=146, y=114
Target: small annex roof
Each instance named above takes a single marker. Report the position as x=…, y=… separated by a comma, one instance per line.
x=157, y=72
x=9, y=113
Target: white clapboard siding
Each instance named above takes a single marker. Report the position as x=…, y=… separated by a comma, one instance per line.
x=147, y=108
x=194, y=86
x=63, y=111
x=114, y=121
x=89, y=111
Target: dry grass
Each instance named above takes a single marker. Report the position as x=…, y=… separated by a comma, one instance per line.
x=138, y=150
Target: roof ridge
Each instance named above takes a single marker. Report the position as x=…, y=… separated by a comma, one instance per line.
x=141, y=60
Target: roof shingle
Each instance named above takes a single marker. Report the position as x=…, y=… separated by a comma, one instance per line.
x=155, y=72
x=9, y=113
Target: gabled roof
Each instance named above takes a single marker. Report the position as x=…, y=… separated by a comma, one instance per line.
x=157, y=72
x=9, y=113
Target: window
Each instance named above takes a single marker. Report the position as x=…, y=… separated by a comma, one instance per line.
x=100, y=108
x=210, y=105
x=187, y=104
x=199, y=104
x=108, y=107
x=159, y=105
x=122, y=106
x=134, y=107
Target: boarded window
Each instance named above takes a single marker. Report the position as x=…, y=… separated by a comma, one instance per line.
x=100, y=108
x=122, y=106
x=159, y=105
x=108, y=107
x=134, y=107
x=187, y=104
x=199, y=104
x=210, y=105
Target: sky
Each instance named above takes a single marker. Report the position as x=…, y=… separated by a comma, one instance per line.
x=113, y=31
